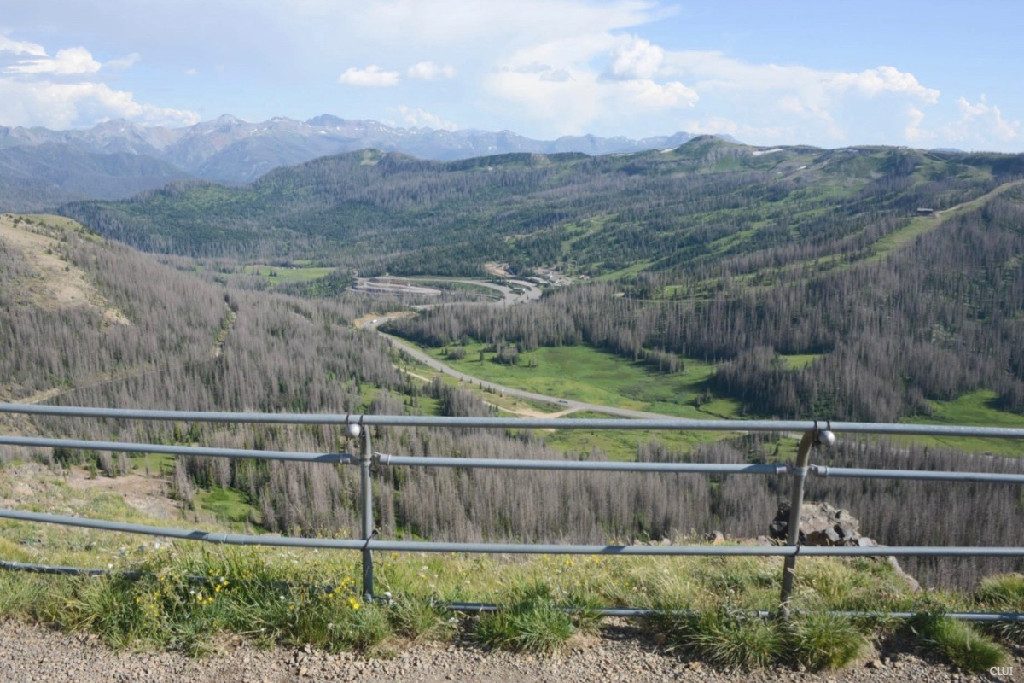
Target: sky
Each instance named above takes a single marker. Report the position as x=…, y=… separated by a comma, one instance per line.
x=937, y=74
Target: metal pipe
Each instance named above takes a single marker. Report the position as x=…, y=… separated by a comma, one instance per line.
x=603, y=466
x=366, y=488
x=917, y=475
x=984, y=617
x=51, y=569
x=796, y=502
x=514, y=548
x=506, y=463
x=202, y=451
x=516, y=423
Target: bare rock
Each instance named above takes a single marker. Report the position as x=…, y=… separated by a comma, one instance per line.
x=820, y=524
x=825, y=524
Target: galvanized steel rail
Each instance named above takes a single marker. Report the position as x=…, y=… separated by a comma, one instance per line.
x=202, y=451
x=514, y=548
x=884, y=428
x=815, y=433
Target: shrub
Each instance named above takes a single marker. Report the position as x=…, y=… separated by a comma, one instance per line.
x=729, y=638
x=339, y=624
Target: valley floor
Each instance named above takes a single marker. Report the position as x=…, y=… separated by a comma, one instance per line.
x=33, y=653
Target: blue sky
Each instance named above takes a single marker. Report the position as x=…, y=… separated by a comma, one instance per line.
x=924, y=74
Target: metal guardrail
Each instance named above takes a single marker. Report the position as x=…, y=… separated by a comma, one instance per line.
x=815, y=433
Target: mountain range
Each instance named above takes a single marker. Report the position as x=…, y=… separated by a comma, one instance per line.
x=41, y=168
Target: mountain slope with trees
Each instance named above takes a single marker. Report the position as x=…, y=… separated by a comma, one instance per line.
x=894, y=270
x=35, y=178
x=942, y=316
x=188, y=343
x=704, y=202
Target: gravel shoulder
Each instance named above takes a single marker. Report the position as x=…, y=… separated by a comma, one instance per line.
x=34, y=653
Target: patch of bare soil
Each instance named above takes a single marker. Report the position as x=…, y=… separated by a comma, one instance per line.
x=148, y=495
x=56, y=283
x=497, y=269
x=372, y=320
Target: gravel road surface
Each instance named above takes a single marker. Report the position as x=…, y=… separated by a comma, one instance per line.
x=34, y=653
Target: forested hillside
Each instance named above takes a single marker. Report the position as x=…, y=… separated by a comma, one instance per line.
x=933, y=319
x=89, y=322
x=722, y=252
x=703, y=202
x=47, y=175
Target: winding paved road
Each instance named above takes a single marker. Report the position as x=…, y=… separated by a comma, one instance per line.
x=564, y=403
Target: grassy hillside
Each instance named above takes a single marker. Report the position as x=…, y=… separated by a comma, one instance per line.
x=586, y=374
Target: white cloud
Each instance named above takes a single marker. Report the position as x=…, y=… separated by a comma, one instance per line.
x=64, y=105
x=637, y=59
x=980, y=125
x=480, y=28
x=430, y=71
x=913, y=131
x=30, y=95
x=715, y=71
x=771, y=93
x=575, y=83
x=420, y=118
x=711, y=70
x=192, y=71
x=983, y=118
x=126, y=62
x=20, y=47
x=73, y=60
x=882, y=79
x=371, y=76
x=648, y=94
x=718, y=125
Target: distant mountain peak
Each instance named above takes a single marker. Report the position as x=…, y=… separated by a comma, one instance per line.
x=325, y=120
x=231, y=150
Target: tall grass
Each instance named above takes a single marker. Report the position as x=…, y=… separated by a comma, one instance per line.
x=960, y=643
x=530, y=621
x=185, y=599
x=740, y=639
x=1004, y=593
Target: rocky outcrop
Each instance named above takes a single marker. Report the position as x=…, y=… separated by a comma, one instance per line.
x=825, y=524
x=820, y=524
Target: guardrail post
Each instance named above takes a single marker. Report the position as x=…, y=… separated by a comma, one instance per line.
x=796, y=501
x=366, y=488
